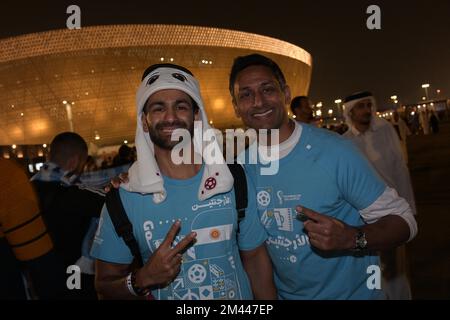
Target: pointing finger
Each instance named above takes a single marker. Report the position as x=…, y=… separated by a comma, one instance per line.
x=311, y=226
x=312, y=214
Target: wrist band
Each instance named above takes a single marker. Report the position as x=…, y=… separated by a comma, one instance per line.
x=130, y=285
x=133, y=288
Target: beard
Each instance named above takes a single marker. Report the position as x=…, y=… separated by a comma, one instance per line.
x=164, y=141
x=366, y=119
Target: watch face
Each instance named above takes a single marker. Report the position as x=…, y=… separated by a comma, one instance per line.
x=361, y=241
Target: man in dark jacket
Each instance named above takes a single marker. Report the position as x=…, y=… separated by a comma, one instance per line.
x=68, y=207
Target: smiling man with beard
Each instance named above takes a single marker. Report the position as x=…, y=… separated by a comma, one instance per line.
x=159, y=129
x=183, y=215
x=326, y=211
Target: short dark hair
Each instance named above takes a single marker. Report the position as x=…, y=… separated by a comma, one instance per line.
x=240, y=63
x=66, y=145
x=295, y=103
x=124, y=151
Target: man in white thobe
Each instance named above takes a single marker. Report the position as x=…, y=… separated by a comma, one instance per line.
x=402, y=131
x=377, y=139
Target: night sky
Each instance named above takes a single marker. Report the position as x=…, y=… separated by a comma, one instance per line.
x=413, y=46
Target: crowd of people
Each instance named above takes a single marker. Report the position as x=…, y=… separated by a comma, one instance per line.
x=201, y=229
x=124, y=155
x=416, y=120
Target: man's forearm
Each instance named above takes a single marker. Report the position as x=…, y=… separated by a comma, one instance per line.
x=387, y=233
x=114, y=288
x=258, y=266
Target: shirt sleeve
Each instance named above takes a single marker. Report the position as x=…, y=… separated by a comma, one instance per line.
x=252, y=232
x=390, y=203
x=368, y=193
x=358, y=181
x=107, y=245
x=20, y=219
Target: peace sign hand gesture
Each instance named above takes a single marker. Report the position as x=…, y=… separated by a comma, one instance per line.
x=165, y=263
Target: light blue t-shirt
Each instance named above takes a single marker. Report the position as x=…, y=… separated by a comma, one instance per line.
x=326, y=173
x=212, y=268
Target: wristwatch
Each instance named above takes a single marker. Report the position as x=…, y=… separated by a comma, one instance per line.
x=360, y=241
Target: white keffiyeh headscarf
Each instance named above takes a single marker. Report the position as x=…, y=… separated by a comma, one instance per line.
x=375, y=122
x=144, y=175
x=353, y=100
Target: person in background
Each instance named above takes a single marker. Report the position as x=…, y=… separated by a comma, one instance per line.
x=301, y=108
x=25, y=244
x=380, y=143
x=90, y=164
x=70, y=208
x=402, y=131
x=125, y=156
x=424, y=120
x=434, y=120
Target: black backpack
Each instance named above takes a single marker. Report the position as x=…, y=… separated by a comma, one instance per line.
x=124, y=228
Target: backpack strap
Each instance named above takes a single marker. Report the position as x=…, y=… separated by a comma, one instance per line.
x=122, y=224
x=240, y=189
x=124, y=228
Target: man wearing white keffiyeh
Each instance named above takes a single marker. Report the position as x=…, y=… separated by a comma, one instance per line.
x=184, y=215
x=379, y=142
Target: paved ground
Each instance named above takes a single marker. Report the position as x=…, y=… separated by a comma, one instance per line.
x=429, y=253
